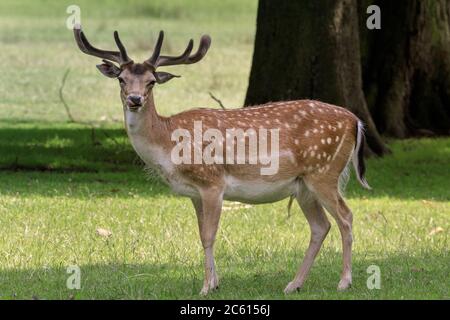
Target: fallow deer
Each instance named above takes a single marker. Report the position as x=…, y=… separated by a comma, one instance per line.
x=316, y=143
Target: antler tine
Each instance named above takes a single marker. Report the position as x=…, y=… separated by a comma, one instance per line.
x=156, y=51
x=123, y=51
x=205, y=43
x=89, y=49
x=169, y=61
x=156, y=60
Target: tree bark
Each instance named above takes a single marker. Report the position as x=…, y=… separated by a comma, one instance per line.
x=406, y=66
x=397, y=79
x=310, y=49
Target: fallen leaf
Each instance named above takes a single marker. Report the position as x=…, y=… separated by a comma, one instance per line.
x=435, y=231
x=104, y=232
x=428, y=203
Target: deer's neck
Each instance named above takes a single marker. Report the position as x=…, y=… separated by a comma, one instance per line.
x=148, y=133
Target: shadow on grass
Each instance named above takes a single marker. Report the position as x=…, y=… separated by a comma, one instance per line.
x=72, y=160
x=64, y=148
x=82, y=185
x=417, y=169
x=402, y=277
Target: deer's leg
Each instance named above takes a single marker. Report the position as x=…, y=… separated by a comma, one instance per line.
x=319, y=225
x=199, y=211
x=208, y=221
x=328, y=194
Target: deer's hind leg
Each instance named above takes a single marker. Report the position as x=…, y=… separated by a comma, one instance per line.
x=325, y=188
x=319, y=225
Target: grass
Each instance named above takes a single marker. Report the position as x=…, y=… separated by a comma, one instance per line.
x=60, y=182
x=48, y=221
x=30, y=79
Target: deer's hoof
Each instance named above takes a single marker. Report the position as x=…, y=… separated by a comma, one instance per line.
x=291, y=287
x=344, y=284
x=210, y=286
x=206, y=290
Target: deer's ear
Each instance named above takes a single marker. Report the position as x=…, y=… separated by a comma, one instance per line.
x=109, y=69
x=162, y=77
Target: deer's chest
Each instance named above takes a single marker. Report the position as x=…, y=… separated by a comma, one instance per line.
x=154, y=156
x=159, y=160
x=151, y=153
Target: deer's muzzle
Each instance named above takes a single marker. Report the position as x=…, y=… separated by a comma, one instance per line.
x=134, y=101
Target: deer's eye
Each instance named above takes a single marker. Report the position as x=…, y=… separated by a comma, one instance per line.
x=121, y=81
x=151, y=83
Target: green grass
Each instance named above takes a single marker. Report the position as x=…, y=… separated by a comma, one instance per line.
x=48, y=220
x=37, y=49
x=59, y=182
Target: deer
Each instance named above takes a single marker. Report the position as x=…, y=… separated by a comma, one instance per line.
x=317, y=143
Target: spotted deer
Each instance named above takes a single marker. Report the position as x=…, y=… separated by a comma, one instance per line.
x=316, y=143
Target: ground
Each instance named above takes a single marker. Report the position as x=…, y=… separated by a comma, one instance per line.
x=60, y=182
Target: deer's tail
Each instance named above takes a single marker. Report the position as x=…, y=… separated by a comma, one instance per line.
x=358, y=156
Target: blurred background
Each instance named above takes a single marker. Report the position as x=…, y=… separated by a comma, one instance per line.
x=37, y=49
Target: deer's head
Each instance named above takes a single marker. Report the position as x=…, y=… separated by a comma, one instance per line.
x=138, y=79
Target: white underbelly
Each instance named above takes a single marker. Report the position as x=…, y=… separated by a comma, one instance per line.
x=179, y=187
x=258, y=191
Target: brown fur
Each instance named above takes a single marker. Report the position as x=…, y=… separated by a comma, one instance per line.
x=316, y=142
x=292, y=138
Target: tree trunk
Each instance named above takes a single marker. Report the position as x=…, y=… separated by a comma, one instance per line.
x=406, y=66
x=310, y=49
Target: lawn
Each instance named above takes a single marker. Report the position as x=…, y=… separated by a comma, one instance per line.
x=60, y=181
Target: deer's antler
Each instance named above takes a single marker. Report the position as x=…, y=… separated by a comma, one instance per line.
x=157, y=60
x=120, y=56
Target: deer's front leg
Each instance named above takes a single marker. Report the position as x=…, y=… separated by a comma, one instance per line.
x=208, y=210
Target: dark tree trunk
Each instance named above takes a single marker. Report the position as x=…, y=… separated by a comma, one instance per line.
x=323, y=50
x=310, y=49
x=406, y=66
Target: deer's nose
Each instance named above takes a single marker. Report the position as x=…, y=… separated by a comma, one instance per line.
x=134, y=100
